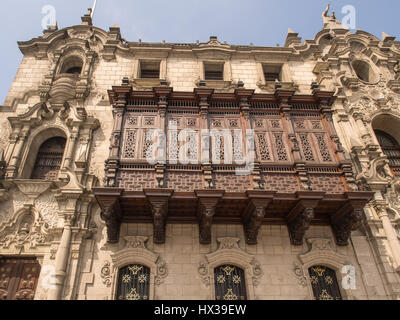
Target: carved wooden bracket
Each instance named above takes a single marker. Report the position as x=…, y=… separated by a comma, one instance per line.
x=349, y=217
x=159, y=208
x=208, y=200
x=301, y=215
x=254, y=214
x=111, y=212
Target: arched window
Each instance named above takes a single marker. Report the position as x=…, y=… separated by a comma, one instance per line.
x=229, y=283
x=133, y=283
x=324, y=283
x=48, y=159
x=390, y=147
x=72, y=65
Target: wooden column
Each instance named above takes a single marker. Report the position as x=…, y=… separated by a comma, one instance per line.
x=203, y=95
x=119, y=107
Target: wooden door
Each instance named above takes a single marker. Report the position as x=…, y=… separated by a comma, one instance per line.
x=18, y=278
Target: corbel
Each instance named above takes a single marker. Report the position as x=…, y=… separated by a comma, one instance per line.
x=208, y=200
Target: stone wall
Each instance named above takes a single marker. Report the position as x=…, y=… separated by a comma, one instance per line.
x=278, y=259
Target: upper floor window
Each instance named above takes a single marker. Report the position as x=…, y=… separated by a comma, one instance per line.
x=133, y=283
x=390, y=147
x=72, y=65
x=48, y=159
x=213, y=71
x=229, y=283
x=272, y=72
x=149, y=69
x=363, y=70
x=324, y=283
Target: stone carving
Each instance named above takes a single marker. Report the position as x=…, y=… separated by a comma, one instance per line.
x=106, y=274
x=377, y=174
x=203, y=271
x=228, y=243
x=47, y=205
x=229, y=252
x=257, y=272
x=25, y=231
x=136, y=242
x=162, y=271
x=300, y=275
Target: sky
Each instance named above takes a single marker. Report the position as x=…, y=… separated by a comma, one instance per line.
x=240, y=22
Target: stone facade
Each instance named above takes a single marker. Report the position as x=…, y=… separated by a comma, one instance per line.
x=323, y=191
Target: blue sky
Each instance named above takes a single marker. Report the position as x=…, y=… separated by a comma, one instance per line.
x=262, y=22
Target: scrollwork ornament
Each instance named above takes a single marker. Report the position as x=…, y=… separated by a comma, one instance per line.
x=106, y=274
x=162, y=272
x=299, y=273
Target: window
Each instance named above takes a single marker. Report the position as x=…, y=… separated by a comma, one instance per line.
x=272, y=72
x=48, y=160
x=324, y=283
x=363, y=70
x=18, y=278
x=229, y=283
x=390, y=147
x=213, y=71
x=133, y=283
x=150, y=69
x=72, y=65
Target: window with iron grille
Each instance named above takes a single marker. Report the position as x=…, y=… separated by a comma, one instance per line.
x=324, y=283
x=213, y=71
x=133, y=283
x=229, y=283
x=150, y=69
x=48, y=159
x=390, y=147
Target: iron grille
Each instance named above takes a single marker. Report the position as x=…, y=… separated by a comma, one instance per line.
x=324, y=283
x=133, y=283
x=229, y=283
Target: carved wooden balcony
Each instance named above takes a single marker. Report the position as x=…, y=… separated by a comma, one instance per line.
x=300, y=175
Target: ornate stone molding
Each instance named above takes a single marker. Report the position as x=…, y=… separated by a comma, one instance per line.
x=26, y=228
x=136, y=251
x=229, y=252
x=106, y=274
x=321, y=253
x=377, y=175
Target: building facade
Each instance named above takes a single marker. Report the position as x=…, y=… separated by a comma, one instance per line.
x=133, y=170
